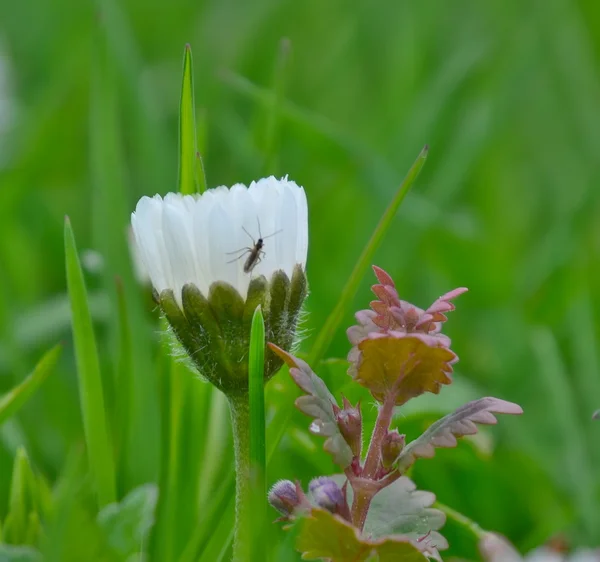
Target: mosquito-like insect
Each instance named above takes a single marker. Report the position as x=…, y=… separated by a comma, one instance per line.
x=256, y=251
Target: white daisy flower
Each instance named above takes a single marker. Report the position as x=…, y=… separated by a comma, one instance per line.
x=225, y=234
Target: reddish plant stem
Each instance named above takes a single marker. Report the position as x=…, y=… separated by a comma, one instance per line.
x=384, y=418
x=363, y=495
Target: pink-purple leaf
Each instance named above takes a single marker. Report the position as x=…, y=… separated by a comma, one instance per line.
x=445, y=431
x=318, y=403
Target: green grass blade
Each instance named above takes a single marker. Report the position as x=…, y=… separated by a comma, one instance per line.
x=14, y=399
x=22, y=499
x=190, y=164
x=212, y=523
x=111, y=191
x=332, y=323
x=563, y=407
x=123, y=385
x=256, y=368
x=90, y=383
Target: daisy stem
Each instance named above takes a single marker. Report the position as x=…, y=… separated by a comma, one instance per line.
x=239, y=405
x=248, y=416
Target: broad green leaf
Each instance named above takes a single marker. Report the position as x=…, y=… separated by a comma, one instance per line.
x=402, y=509
x=10, y=553
x=404, y=367
x=323, y=535
x=14, y=399
x=127, y=523
x=319, y=404
x=189, y=182
x=90, y=382
x=444, y=432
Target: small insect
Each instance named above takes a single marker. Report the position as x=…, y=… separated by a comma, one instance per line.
x=256, y=251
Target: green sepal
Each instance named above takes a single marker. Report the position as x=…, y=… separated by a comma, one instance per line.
x=207, y=331
x=215, y=331
x=182, y=328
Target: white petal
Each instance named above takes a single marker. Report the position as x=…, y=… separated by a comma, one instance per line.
x=302, y=240
x=220, y=228
x=206, y=238
x=178, y=241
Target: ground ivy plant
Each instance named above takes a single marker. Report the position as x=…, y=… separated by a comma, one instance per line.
x=373, y=511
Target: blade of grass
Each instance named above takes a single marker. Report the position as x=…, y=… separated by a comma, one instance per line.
x=91, y=394
x=14, y=399
x=22, y=499
x=332, y=323
x=123, y=385
x=110, y=220
x=220, y=502
x=256, y=375
x=217, y=445
x=191, y=174
x=577, y=468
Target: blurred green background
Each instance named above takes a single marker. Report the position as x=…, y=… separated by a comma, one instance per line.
x=506, y=94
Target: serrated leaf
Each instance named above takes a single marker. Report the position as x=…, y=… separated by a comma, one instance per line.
x=10, y=553
x=445, y=431
x=319, y=404
x=403, y=366
x=12, y=401
x=402, y=509
x=326, y=536
x=127, y=524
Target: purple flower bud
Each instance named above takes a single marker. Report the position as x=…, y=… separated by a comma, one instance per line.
x=349, y=421
x=327, y=494
x=283, y=496
x=391, y=447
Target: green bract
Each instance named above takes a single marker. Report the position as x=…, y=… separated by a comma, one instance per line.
x=215, y=329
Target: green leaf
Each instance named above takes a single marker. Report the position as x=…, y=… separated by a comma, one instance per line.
x=10, y=553
x=14, y=399
x=323, y=535
x=90, y=382
x=402, y=366
x=190, y=176
x=319, y=404
x=127, y=524
x=402, y=509
x=258, y=461
x=444, y=432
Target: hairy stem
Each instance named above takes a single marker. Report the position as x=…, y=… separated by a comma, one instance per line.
x=364, y=494
x=384, y=418
x=240, y=419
